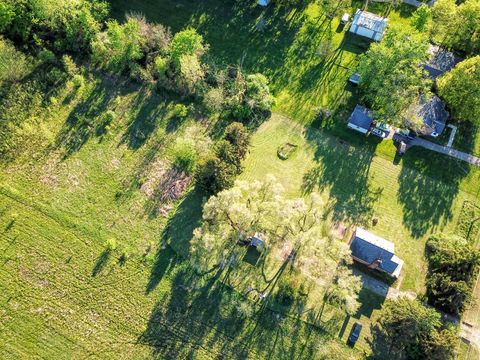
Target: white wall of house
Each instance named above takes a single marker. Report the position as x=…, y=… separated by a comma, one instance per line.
x=357, y=128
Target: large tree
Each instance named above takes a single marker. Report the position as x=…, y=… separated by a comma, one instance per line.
x=453, y=263
x=457, y=26
x=413, y=331
x=391, y=74
x=460, y=88
x=295, y=227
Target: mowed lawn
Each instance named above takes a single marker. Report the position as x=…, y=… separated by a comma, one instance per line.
x=409, y=202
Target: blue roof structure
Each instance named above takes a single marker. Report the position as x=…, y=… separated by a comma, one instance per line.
x=361, y=119
x=369, y=248
x=433, y=114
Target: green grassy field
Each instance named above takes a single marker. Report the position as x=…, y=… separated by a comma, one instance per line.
x=67, y=296
x=409, y=201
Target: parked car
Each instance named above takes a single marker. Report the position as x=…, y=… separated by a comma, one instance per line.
x=379, y=133
x=355, y=333
x=345, y=19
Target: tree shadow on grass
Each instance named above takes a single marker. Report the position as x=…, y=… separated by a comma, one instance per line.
x=429, y=183
x=177, y=235
x=150, y=111
x=186, y=218
x=344, y=171
x=199, y=317
x=101, y=262
x=85, y=120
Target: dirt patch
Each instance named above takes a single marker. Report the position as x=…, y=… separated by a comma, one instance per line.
x=163, y=186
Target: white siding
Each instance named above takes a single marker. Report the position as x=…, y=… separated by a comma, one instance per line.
x=357, y=128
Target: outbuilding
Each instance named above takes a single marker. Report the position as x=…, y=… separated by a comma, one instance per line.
x=360, y=120
x=375, y=252
x=368, y=25
x=263, y=3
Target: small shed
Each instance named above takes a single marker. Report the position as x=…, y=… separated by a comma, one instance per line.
x=439, y=61
x=368, y=25
x=433, y=114
x=375, y=252
x=257, y=242
x=263, y=3
x=360, y=120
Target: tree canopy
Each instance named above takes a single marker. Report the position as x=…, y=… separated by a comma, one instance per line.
x=391, y=75
x=457, y=26
x=453, y=264
x=295, y=227
x=118, y=47
x=460, y=88
x=414, y=331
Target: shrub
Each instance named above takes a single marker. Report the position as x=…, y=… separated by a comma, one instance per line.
x=111, y=244
x=78, y=81
x=161, y=65
x=214, y=175
x=69, y=65
x=185, y=157
x=244, y=309
x=287, y=290
x=238, y=135
x=47, y=56
x=214, y=100
x=180, y=111
x=119, y=47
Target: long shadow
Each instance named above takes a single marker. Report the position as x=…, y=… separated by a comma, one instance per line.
x=85, y=120
x=101, y=262
x=165, y=260
x=343, y=170
x=429, y=183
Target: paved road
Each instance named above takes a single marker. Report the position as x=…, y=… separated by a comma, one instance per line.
x=445, y=150
x=468, y=333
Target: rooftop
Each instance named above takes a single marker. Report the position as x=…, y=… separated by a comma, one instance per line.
x=369, y=248
x=361, y=117
x=440, y=61
x=370, y=21
x=433, y=114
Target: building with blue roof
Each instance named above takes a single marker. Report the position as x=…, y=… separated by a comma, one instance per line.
x=375, y=252
x=360, y=120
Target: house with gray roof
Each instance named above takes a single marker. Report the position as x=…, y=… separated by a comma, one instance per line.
x=369, y=25
x=440, y=61
x=433, y=114
x=360, y=120
x=375, y=252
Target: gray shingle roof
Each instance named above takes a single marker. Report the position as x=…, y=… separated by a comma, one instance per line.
x=433, y=114
x=361, y=117
x=440, y=61
x=369, y=248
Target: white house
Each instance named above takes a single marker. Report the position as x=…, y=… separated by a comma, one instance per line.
x=368, y=25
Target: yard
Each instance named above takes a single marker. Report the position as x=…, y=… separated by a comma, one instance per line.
x=70, y=296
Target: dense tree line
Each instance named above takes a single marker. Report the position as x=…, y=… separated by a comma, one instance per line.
x=453, y=268
x=148, y=53
x=406, y=329
x=456, y=25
